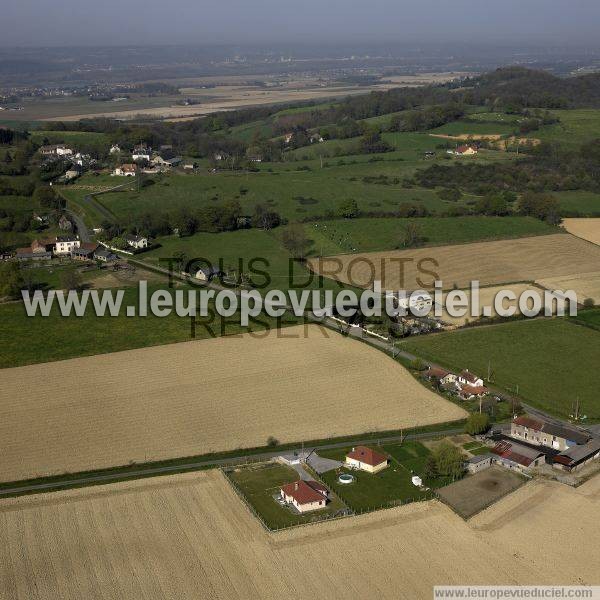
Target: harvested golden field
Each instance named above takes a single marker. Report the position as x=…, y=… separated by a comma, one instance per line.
x=200, y=397
x=492, y=263
x=585, y=285
x=588, y=229
x=189, y=536
x=486, y=298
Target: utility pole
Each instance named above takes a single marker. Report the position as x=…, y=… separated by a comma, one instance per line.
x=489, y=370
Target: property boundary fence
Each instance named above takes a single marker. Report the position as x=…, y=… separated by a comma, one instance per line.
x=322, y=518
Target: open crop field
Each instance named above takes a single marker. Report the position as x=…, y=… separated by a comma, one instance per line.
x=587, y=229
x=486, y=299
x=585, y=285
x=190, y=536
x=539, y=356
x=491, y=263
x=202, y=397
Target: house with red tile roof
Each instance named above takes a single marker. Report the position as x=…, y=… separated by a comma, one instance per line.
x=305, y=496
x=444, y=377
x=366, y=459
x=468, y=378
x=467, y=392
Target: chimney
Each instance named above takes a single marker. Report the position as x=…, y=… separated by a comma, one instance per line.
x=296, y=486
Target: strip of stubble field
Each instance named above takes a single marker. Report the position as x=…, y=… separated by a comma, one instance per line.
x=186, y=465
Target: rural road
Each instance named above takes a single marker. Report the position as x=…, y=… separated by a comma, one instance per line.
x=82, y=230
x=100, y=478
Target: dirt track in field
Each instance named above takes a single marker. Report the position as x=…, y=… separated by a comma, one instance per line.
x=189, y=536
x=491, y=263
x=200, y=397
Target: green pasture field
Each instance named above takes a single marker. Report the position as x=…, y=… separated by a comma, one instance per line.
x=586, y=204
x=589, y=318
x=72, y=138
x=277, y=191
x=37, y=109
x=258, y=484
x=28, y=340
x=370, y=235
x=462, y=127
x=539, y=356
x=576, y=127
x=257, y=253
x=495, y=117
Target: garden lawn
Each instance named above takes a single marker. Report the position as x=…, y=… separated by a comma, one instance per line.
x=389, y=487
x=258, y=483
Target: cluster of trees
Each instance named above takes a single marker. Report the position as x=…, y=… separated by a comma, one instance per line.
x=445, y=460
x=477, y=423
x=216, y=218
x=513, y=89
x=12, y=136
x=11, y=280
x=547, y=169
x=427, y=118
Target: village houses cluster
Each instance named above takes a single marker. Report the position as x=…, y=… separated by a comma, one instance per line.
x=466, y=385
x=71, y=246
x=145, y=160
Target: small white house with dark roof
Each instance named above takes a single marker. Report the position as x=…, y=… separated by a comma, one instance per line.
x=136, y=241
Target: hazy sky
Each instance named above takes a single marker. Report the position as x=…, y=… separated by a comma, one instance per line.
x=120, y=22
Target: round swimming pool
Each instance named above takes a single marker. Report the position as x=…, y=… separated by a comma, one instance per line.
x=346, y=478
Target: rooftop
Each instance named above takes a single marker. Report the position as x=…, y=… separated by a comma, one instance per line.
x=561, y=431
x=367, y=456
x=305, y=492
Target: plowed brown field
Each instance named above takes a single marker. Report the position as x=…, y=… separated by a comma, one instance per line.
x=189, y=536
x=201, y=397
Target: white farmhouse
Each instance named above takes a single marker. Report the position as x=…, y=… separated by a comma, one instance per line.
x=66, y=244
x=136, y=241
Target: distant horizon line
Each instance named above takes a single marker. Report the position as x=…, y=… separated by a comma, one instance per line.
x=540, y=44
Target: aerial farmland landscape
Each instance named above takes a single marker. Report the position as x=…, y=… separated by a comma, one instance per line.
x=299, y=301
